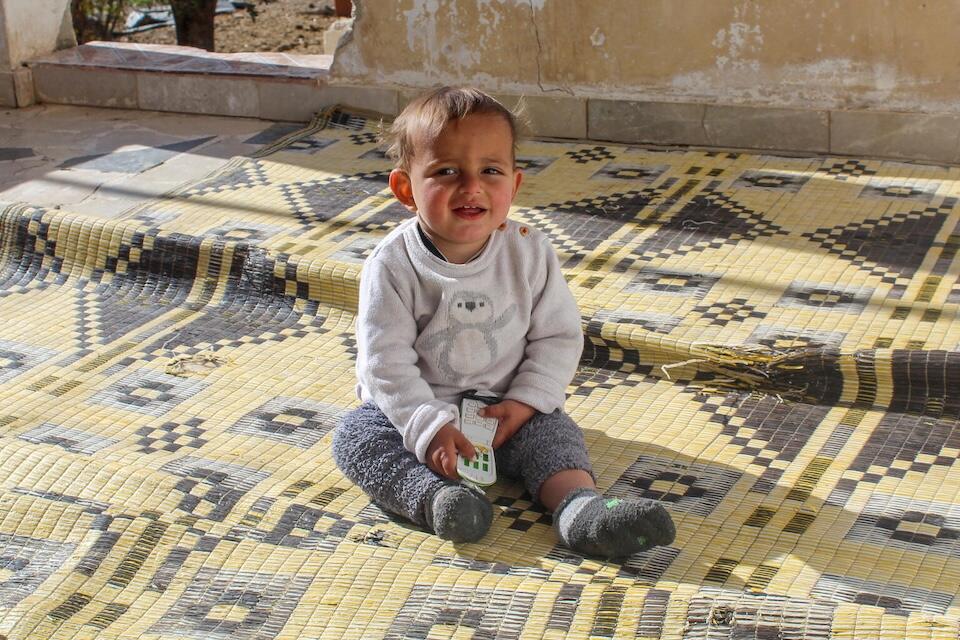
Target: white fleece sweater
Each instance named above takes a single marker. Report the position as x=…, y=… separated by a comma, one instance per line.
x=428, y=330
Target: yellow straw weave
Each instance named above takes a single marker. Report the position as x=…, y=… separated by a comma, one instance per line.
x=771, y=350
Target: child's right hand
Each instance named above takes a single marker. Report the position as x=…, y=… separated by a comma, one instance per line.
x=444, y=449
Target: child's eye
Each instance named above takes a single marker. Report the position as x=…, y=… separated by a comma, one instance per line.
x=446, y=171
x=493, y=170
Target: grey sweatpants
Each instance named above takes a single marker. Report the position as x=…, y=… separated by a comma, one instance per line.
x=369, y=451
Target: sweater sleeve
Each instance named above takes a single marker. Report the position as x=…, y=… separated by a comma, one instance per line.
x=554, y=341
x=387, y=362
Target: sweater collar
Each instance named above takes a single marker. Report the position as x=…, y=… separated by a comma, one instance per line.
x=432, y=248
x=422, y=255
x=428, y=243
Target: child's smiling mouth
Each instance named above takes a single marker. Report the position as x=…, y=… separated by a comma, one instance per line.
x=469, y=212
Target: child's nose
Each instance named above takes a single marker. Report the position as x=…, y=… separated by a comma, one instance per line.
x=469, y=183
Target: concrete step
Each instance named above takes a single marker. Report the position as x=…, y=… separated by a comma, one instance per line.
x=270, y=86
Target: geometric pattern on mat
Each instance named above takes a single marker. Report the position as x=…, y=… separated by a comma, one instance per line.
x=770, y=351
x=904, y=523
x=18, y=358
x=73, y=440
x=493, y=613
x=771, y=180
x=893, y=598
x=844, y=170
x=268, y=323
x=728, y=222
x=894, y=187
x=303, y=527
x=149, y=392
x=765, y=429
x=901, y=443
x=837, y=298
x=786, y=337
x=171, y=436
x=891, y=247
x=663, y=282
x=735, y=310
x=563, y=222
x=524, y=512
x=233, y=604
x=211, y=488
x=26, y=563
x=294, y=421
x=695, y=488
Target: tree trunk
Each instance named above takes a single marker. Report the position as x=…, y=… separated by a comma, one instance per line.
x=194, y=19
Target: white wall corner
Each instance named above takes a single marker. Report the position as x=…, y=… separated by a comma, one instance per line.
x=5, y=64
x=348, y=58
x=35, y=28
x=67, y=37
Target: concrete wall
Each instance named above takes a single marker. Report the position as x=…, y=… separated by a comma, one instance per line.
x=29, y=28
x=33, y=28
x=4, y=49
x=885, y=55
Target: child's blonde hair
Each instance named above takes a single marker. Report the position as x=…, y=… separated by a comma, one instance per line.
x=423, y=119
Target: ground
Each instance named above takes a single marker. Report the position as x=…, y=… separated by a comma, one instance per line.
x=295, y=26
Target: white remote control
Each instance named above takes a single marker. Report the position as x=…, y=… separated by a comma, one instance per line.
x=482, y=469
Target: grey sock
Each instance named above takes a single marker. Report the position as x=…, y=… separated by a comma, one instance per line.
x=611, y=527
x=459, y=513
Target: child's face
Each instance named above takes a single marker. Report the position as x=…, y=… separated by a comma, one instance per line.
x=462, y=184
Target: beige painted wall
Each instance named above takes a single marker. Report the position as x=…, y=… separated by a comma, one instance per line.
x=31, y=28
x=888, y=55
x=4, y=48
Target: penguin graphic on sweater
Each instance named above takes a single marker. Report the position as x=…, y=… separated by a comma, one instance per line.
x=467, y=345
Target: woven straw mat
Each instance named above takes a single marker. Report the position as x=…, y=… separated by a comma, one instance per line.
x=771, y=350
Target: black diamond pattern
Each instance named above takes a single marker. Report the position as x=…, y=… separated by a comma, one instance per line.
x=847, y=169
x=593, y=154
x=764, y=427
x=774, y=181
x=634, y=173
x=721, y=313
x=310, y=145
x=887, y=247
x=171, y=436
x=250, y=174
x=584, y=224
x=709, y=221
x=364, y=138
x=317, y=201
x=524, y=512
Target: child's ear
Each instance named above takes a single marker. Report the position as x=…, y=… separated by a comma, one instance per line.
x=517, y=179
x=402, y=188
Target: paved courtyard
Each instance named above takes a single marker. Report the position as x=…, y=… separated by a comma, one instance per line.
x=104, y=161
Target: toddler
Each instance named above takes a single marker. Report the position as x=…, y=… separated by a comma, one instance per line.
x=458, y=297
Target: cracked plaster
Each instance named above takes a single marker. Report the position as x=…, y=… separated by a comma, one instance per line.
x=820, y=54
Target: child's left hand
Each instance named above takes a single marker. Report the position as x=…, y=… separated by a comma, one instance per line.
x=512, y=415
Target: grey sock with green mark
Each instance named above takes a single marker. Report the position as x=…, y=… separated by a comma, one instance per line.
x=459, y=513
x=611, y=527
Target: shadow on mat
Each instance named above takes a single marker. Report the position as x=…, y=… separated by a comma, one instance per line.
x=740, y=527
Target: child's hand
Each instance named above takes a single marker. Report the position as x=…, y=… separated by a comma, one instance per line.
x=444, y=449
x=512, y=415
